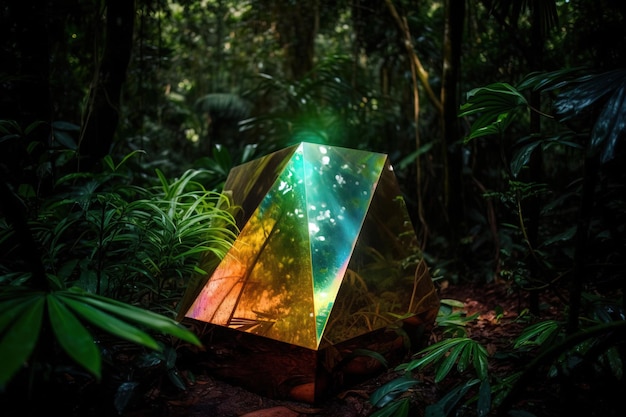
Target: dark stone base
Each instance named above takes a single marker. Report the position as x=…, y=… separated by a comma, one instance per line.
x=283, y=371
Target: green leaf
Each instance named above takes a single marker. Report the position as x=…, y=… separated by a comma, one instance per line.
x=430, y=355
x=18, y=341
x=147, y=318
x=583, y=94
x=176, y=379
x=390, y=391
x=108, y=160
x=483, y=405
x=493, y=106
x=447, y=363
x=67, y=126
x=565, y=236
x=481, y=365
x=615, y=362
x=10, y=308
x=464, y=360
x=370, y=353
x=537, y=333
x=548, y=81
x=410, y=158
x=110, y=323
x=398, y=408
x=64, y=139
x=610, y=125
x=444, y=406
x=452, y=303
x=522, y=153
x=73, y=337
x=124, y=395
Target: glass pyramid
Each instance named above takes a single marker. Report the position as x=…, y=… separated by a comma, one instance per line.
x=326, y=250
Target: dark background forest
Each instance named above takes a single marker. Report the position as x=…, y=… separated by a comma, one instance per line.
x=505, y=122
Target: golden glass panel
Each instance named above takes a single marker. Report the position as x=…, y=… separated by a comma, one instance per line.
x=326, y=250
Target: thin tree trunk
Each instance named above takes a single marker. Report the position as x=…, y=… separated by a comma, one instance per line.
x=532, y=206
x=297, y=24
x=418, y=74
x=451, y=147
x=102, y=113
x=24, y=82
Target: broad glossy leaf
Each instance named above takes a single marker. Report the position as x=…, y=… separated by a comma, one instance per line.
x=398, y=408
x=483, y=405
x=66, y=126
x=610, y=125
x=110, y=323
x=18, y=341
x=73, y=337
x=452, y=303
x=548, y=81
x=390, y=391
x=587, y=93
x=124, y=395
x=64, y=139
x=521, y=155
x=493, y=107
x=372, y=354
x=176, y=379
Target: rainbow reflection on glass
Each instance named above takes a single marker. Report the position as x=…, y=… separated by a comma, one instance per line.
x=326, y=250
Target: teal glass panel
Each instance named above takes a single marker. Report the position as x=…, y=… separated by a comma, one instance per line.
x=339, y=188
x=386, y=277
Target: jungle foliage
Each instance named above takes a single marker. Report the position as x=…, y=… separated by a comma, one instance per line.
x=119, y=121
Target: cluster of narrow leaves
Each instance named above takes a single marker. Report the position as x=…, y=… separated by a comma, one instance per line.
x=107, y=247
x=456, y=351
x=462, y=351
x=135, y=244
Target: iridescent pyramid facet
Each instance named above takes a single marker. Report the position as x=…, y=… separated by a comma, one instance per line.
x=326, y=250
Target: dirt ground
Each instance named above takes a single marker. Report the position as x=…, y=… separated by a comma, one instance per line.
x=495, y=327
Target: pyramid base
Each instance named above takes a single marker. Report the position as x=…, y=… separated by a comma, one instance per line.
x=280, y=370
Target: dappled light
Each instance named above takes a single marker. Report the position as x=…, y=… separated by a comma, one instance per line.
x=319, y=261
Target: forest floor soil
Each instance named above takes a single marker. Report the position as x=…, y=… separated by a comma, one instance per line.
x=499, y=322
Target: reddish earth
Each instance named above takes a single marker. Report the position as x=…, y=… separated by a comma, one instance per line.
x=501, y=316
x=495, y=327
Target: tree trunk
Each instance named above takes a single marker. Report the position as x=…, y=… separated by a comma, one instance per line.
x=297, y=24
x=102, y=113
x=532, y=206
x=451, y=136
x=24, y=94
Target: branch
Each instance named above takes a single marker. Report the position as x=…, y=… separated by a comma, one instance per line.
x=415, y=61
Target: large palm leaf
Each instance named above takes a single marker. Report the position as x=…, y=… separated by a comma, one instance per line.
x=603, y=95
